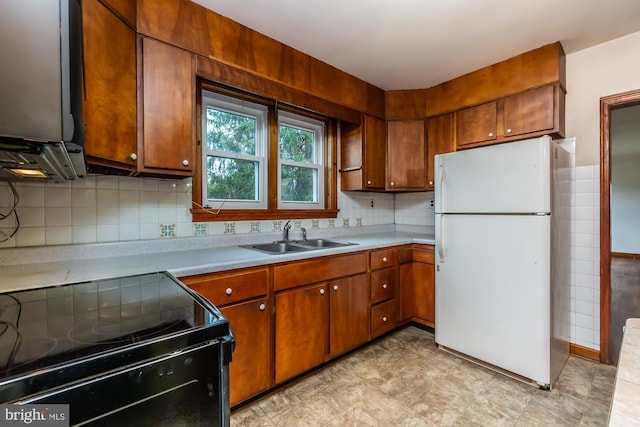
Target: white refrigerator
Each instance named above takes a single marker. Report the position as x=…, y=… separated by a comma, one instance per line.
x=503, y=216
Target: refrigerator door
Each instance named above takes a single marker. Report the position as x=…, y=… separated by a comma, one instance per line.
x=505, y=178
x=493, y=290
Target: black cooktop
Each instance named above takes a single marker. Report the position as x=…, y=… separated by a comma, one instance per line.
x=103, y=323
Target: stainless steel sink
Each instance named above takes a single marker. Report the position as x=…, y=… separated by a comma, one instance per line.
x=323, y=243
x=282, y=247
x=275, y=247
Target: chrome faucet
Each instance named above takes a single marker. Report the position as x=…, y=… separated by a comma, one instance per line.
x=285, y=231
x=304, y=234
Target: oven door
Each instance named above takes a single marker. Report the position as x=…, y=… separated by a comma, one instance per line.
x=185, y=388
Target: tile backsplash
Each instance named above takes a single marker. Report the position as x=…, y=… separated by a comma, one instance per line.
x=101, y=209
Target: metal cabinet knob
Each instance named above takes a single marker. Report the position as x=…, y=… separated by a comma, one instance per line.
x=384, y=286
x=368, y=182
x=384, y=259
x=430, y=182
x=321, y=291
x=508, y=130
x=133, y=156
x=384, y=318
x=490, y=134
x=185, y=163
x=229, y=291
x=392, y=183
x=262, y=307
x=335, y=287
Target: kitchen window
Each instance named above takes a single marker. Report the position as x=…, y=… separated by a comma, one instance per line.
x=300, y=177
x=263, y=160
x=234, y=152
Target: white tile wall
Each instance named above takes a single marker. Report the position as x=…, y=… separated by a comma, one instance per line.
x=585, y=251
x=415, y=209
x=110, y=209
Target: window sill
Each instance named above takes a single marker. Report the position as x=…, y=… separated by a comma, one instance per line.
x=210, y=215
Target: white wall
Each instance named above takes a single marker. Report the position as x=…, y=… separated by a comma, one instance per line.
x=606, y=69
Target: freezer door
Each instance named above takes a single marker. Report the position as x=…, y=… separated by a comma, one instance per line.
x=506, y=178
x=493, y=290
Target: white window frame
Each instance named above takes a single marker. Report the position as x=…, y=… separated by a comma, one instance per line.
x=318, y=128
x=260, y=114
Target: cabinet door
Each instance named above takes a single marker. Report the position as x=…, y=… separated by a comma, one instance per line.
x=362, y=155
x=406, y=155
x=407, y=292
x=531, y=111
x=439, y=141
x=109, y=108
x=374, y=153
x=301, y=330
x=249, y=372
x=424, y=291
x=349, y=313
x=476, y=124
x=168, y=75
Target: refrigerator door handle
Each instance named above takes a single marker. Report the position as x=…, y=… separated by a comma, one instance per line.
x=439, y=184
x=440, y=239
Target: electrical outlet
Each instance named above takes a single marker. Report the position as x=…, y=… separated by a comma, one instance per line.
x=372, y=203
x=431, y=204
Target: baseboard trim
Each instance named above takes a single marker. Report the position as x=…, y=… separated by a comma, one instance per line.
x=584, y=352
x=625, y=255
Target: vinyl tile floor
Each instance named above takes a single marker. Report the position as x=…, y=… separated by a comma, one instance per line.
x=405, y=380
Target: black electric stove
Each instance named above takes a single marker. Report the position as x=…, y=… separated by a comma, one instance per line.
x=147, y=337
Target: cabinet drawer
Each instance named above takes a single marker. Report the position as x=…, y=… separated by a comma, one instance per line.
x=383, y=318
x=299, y=273
x=383, y=284
x=423, y=254
x=383, y=258
x=229, y=287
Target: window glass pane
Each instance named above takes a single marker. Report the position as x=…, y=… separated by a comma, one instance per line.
x=230, y=132
x=231, y=179
x=296, y=144
x=297, y=184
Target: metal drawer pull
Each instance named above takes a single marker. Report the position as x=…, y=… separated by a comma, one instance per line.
x=384, y=286
x=335, y=287
x=229, y=291
x=262, y=307
x=384, y=318
x=384, y=259
x=321, y=291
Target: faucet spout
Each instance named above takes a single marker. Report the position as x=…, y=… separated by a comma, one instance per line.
x=285, y=231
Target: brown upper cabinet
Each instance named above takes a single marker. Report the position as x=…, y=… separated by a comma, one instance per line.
x=139, y=98
x=439, y=141
x=532, y=113
x=363, y=154
x=406, y=155
x=168, y=98
x=109, y=109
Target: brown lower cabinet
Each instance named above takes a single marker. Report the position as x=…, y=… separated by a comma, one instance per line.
x=291, y=317
x=242, y=297
x=249, y=371
x=317, y=322
x=417, y=285
x=301, y=330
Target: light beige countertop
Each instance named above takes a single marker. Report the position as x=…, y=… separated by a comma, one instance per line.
x=625, y=405
x=25, y=268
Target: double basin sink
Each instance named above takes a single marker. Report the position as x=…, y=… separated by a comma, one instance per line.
x=284, y=247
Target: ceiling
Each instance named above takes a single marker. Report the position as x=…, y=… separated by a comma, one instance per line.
x=411, y=44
